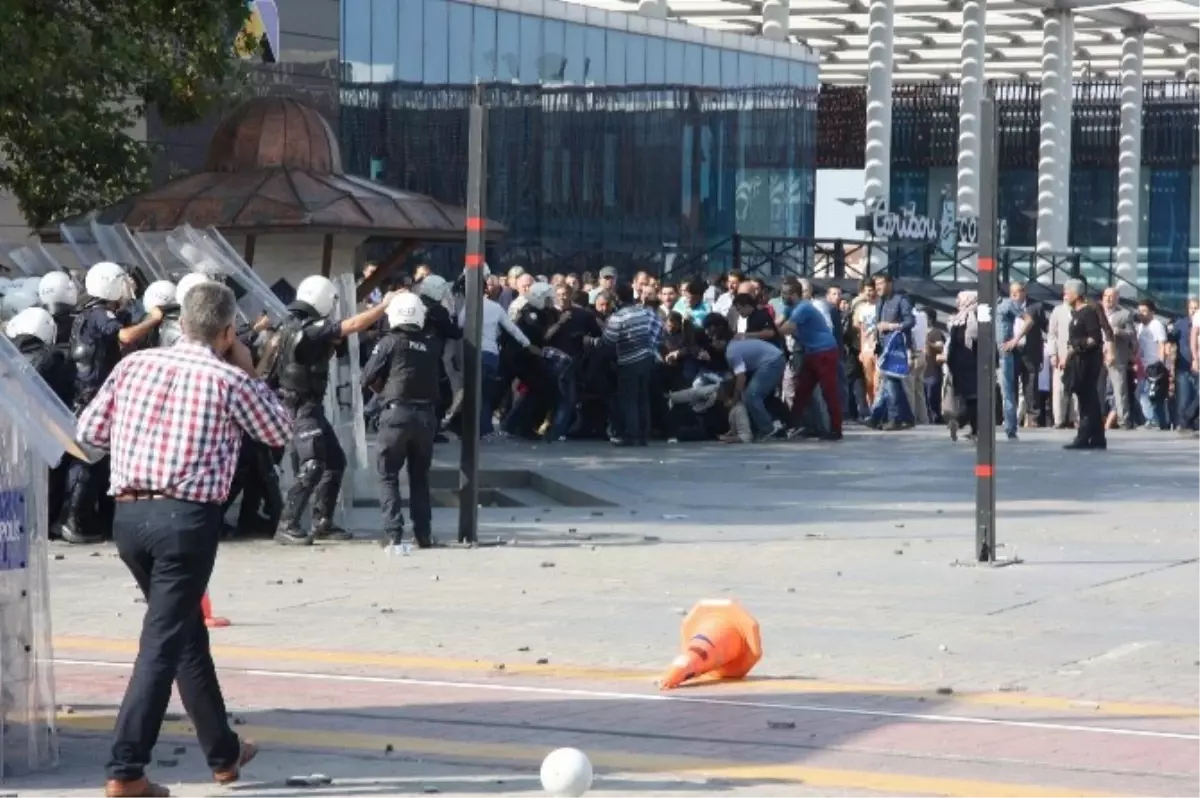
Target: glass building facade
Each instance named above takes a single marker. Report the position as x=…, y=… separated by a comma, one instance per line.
x=612, y=137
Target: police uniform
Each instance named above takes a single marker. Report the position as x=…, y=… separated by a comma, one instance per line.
x=53, y=366
x=95, y=348
x=301, y=377
x=407, y=361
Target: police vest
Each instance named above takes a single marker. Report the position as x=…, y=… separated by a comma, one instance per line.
x=413, y=372
x=94, y=356
x=169, y=329
x=50, y=365
x=302, y=373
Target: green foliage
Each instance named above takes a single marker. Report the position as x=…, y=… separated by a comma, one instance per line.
x=77, y=75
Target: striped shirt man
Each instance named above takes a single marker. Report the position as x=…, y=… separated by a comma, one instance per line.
x=634, y=331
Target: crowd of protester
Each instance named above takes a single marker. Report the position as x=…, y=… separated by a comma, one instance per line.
x=583, y=356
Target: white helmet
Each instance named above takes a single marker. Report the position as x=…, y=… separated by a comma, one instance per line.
x=407, y=310
x=540, y=295
x=433, y=287
x=17, y=299
x=57, y=288
x=190, y=254
x=106, y=281
x=209, y=268
x=33, y=321
x=186, y=283
x=319, y=293
x=5, y=284
x=159, y=293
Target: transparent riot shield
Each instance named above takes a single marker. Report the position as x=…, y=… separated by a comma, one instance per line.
x=121, y=249
x=82, y=243
x=32, y=260
x=344, y=401
x=209, y=246
x=35, y=430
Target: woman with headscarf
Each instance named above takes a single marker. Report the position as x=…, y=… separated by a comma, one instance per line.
x=960, y=390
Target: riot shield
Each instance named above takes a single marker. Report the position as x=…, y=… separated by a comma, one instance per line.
x=35, y=429
x=83, y=244
x=253, y=296
x=32, y=260
x=344, y=400
x=120, y=249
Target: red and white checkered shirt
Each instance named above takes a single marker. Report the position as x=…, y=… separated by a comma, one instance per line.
x=172, y=419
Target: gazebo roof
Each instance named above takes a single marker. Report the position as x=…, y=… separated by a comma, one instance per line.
x=274, y=166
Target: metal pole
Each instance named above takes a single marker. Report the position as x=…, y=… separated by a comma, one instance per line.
x=985, y=345
x=468, y=475
x=974, y=27
x=878, y=157
x=1129, y=163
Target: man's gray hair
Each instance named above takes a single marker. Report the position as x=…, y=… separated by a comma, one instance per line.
x=208, y=308
x=1076, y=287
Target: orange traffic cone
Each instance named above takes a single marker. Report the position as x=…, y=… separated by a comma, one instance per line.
x=209, y=620
x=719, y=637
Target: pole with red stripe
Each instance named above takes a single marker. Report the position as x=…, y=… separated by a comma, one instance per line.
x=985, y=345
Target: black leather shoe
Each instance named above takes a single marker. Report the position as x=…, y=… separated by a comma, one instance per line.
x=290, y=536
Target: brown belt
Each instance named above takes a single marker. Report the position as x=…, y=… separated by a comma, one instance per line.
x=140, y=496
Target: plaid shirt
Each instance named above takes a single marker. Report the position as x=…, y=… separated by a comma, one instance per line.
x=172, y=419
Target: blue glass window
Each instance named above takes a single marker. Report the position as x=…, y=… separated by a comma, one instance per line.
x=461, y=32
x=729, y=68
x=595, y=57
x=675, y=73
x=693, y=64
x=437, y=41
x=483, y=45
x=779, y=71
x=531, y=48
x=656, y=60
x=356, y=40
x=712, y=66
x=746, y=70
x=1018, y=204
x=797, y=73
x=764, y=70
x=1093, y=208
x=384, y=19
x=508, y=46
x=1170, y=224
x=573, y=51
x=410, y=57
x=635, y=60
x=552, y=64
x=617, y=42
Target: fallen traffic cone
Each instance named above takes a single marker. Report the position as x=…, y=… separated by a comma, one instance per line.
x=210, y=621
x=719, y=637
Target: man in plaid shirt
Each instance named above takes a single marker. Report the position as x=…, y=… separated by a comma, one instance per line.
x=172, y=420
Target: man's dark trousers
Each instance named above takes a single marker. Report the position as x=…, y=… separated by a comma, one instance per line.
x=170, y=547
x=406, y=433
x=633, y=397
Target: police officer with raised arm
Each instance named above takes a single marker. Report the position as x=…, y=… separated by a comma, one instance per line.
x=295, y=363
x=34, y=332
x=97, y=336
x=404, y=370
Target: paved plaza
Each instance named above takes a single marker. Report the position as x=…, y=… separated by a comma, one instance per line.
x=886, y=671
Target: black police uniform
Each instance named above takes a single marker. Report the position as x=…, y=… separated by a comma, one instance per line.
x=301, y=378
x=95, y=350
x=58, y=372
x=408, y=362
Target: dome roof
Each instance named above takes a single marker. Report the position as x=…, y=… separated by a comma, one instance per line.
x=273, y=133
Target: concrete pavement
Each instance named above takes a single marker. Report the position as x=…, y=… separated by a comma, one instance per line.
x=1072, y=673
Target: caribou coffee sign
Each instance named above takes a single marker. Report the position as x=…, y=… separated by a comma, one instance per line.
x=908, y=225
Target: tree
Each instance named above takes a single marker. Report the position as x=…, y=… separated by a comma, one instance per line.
x=77, y=75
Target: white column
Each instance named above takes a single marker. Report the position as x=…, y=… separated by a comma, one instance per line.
x=1054, y=153
x=776, y=20
x=877, y=174
x=1129, y=162
x=974, y=27
x=1191, y=69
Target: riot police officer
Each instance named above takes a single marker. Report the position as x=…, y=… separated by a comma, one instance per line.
x=59, y=295
x=97, y=337
x=33, y=332
x=404, y=371
x=161, y=294
x=296, y=364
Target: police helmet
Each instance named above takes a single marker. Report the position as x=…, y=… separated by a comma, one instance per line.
x=209, y=268
x=5, y=284
x=106, y=281
x=187, y=283
x=318, y=293
x=406, y=310
x=540, y=295
x=17, y=299
x=190, y=254
x=158, y=293
x=57, y=288
x=33, y=321
x=433, y=287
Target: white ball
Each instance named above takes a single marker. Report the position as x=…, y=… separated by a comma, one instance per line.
x=566, y=773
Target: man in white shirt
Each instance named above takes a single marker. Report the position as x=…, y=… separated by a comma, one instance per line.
x=1062, y=401
x=495, y=319
x=1152, y=377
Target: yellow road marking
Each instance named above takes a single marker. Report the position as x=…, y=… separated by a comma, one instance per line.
x=364, y=659
x=611, y=761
